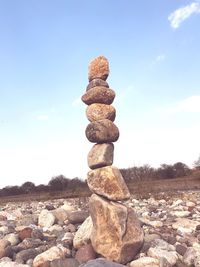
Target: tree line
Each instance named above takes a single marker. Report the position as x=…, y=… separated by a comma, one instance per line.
x=141, y=173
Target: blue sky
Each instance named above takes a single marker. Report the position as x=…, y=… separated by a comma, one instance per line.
x=45, y=49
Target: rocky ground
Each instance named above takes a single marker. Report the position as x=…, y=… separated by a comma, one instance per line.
x=56, y=233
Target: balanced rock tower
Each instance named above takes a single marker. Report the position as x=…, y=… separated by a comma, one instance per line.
x=116, y=234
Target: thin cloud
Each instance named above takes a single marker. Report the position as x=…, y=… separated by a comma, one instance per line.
x=190, y=104
x=183, y=13
x=123, y=94
x=76, y=102
x=160, y=58
x=42, y=117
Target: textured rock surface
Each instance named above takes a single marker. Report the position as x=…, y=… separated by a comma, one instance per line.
x=85, y=253
x=53, y=253
x=101, y=263
x=97, y=82
x=145, y=262
x=12, y=264
x=82, y=236
x=4, y=244
x=46, y=218
x=100, y=155
x=103, y=131
x=98, y=68
x=64, y=263
x=95, y=112
x=98, y=94
x=108, y=182
x=116, y=234
x=78, y=216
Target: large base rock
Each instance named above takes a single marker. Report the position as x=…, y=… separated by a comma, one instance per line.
x=116, y=234
x=108, y=182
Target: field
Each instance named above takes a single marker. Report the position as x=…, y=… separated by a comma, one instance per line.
x=140, y=189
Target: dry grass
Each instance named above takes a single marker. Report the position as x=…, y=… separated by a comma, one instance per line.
x=138, y=188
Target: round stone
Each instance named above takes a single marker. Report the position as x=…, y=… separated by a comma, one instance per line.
x=98, y=68
x=98, y=94
x=102, y=131
x=97, y=112
x=97, y=82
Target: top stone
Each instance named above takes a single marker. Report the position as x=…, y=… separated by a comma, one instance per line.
x=98, y=68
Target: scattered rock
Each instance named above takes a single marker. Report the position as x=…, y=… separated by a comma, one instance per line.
x=101, y=263
x=85, y=253
x=145, y=262
x=78, y=216
x=56, y=252
x=46, y=219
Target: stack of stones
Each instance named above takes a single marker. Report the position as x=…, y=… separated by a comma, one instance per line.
x=117, y=234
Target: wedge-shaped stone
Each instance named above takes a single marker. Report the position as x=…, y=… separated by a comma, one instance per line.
x=102, y=131
x=97, y=112
x=98, y=68
x=108, y=182
x=100, y=155
x=116, y=234
x=97, y=82
x=99, y=94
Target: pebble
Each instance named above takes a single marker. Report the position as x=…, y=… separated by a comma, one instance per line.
x=30, y=229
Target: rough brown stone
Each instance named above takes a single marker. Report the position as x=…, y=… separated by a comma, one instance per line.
x=102, y=131
x=108, y=182
x=97, y=112
x=100, y=155
x=98, y=68
x=98, y=94
x=117, y=234
x=4, y=244
x=24, y=232
x=85, y=253
x=97, y=82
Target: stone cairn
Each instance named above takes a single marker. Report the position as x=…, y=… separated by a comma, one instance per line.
x=117, y=234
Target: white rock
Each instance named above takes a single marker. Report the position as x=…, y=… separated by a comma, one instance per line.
x=177, y=203
x=184, y=231
x=57, y=252
x=186, y=223
x=12, y=264
x=190, y=204
x=82, y=236
x=46, y=218
x=67, y=207
x=12, y=238
x=170, y=256
x=145, y=262
x=162, y=244
x=181, y=213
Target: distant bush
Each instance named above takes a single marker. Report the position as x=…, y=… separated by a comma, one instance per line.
x=165, y=171
x=139, y=174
